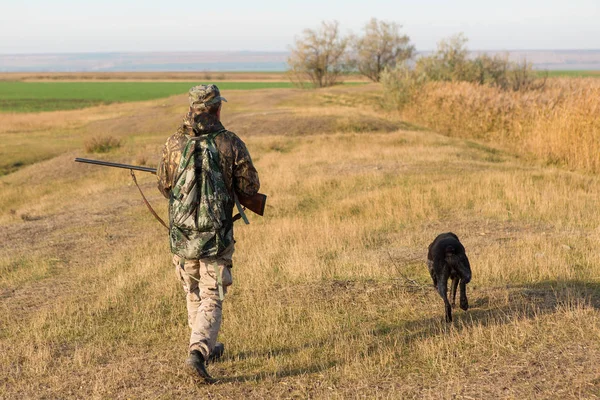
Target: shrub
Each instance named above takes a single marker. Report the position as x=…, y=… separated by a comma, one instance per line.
x=102, y=144
x=451, y=63
x=400, y=86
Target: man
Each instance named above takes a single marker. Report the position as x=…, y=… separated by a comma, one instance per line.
x=200, y=214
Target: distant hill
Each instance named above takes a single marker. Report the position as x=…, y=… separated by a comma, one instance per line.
x=241, y=61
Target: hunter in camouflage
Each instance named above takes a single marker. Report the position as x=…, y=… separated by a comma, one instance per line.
x=238, y=170
x=203, y=139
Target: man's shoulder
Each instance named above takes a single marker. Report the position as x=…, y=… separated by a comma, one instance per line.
x=230, y=136
x=227, y=138
x=176, y=140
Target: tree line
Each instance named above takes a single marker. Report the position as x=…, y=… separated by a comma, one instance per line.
x=321, y=57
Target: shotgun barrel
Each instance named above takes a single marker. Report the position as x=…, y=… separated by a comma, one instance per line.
x=116, y=165
x=255, y=203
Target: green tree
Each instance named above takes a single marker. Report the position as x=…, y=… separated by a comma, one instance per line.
x=450, y=62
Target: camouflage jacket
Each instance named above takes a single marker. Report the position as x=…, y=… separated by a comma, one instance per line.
x=238, y=171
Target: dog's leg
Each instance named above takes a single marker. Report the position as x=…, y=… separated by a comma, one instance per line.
x=453, y=290
x=432, y=272
x=443, y=291
x=464, y=303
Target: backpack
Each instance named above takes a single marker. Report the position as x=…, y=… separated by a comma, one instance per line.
x=200, y=225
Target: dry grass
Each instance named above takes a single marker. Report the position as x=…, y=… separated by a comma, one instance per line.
x=558, y=125
x=102, y=144
x=29, y=138
x=320, y=307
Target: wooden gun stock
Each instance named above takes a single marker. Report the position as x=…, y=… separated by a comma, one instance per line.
x=255, y=203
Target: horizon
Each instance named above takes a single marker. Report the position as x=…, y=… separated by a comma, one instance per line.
x=277, y=51
x=246, y=61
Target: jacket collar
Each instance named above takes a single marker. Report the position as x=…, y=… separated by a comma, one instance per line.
x=196, y=124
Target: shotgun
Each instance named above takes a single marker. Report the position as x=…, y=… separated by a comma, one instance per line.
x=255, y=203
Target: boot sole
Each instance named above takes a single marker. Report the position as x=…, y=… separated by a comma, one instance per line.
x=196, y=372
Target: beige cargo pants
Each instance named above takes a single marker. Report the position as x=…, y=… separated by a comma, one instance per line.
x=204, y=305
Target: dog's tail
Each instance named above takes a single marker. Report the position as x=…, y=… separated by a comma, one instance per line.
x=459, y=262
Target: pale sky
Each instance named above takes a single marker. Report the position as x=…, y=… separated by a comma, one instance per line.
x=51, y=26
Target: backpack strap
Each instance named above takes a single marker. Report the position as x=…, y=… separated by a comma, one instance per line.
x=240, y=209
x=184, y=162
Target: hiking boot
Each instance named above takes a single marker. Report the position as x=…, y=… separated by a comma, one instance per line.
x=196, y=366
x=217, y=352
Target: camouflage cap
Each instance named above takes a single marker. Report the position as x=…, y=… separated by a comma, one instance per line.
x=203, y=96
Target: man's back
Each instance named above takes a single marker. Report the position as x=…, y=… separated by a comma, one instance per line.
x=238, y=171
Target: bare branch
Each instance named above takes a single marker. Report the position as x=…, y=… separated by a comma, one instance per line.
x=381, y=46
x=319, y=55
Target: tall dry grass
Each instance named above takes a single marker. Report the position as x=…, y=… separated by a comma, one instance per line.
x=559, y=124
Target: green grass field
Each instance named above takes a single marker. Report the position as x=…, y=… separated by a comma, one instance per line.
x=570, y=74
x=52, y=96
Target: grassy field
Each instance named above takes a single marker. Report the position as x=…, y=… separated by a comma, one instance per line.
x=331, y=296
x=570, y=74
x=26, y=96
x=52, y=96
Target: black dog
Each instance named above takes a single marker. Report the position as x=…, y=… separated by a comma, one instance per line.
x=447, y=259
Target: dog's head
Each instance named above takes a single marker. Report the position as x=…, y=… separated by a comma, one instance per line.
x=456, y=257
x=460, y=263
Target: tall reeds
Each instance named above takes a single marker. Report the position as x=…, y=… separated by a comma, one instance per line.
x=559, y=124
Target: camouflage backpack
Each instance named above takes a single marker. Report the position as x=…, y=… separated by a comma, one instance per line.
x=199, y=223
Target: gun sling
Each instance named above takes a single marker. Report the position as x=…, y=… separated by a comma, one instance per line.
x=241, y=213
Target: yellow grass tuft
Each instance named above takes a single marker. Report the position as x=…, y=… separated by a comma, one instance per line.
x=102, y=144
